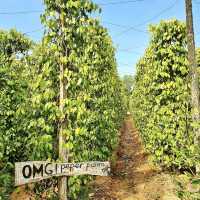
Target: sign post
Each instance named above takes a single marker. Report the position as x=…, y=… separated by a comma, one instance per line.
x=33, y=171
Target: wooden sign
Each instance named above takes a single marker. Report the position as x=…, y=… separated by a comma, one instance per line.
x=32, y=171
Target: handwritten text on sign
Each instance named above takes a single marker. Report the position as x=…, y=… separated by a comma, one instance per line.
x=27, y=172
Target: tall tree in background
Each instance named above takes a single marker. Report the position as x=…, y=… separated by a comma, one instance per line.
x=193, y=71
x=128, y=81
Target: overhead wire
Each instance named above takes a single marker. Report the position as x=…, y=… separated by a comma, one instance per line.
x=21, y=12
x=34, y=31
x=196, y=2
x=119, y=2
x=128, y=28
x=148, y=20
x=125, y=69
x=129, y=51
x=124, y=26
x=39, y=11
x=125, y=64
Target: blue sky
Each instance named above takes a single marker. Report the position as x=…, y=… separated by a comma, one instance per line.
x=116, y=17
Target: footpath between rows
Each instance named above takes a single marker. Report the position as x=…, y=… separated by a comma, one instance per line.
x=133, y=177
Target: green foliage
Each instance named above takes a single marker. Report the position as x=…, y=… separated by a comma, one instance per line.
x=94, y=105
x=161, y=97
x=6, y=181
x=198, y=56
x=29, y=97
x=198, y=59
x=188, y=186
x=13, y=94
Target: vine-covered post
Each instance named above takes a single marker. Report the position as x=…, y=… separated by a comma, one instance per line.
x=62, y=184
x=83, y=58
x=63, y=152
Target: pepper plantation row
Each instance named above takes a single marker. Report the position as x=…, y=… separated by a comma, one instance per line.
x=161, y=98
x=95, y=101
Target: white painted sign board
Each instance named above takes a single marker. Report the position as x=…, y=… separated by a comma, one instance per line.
x=32, y=171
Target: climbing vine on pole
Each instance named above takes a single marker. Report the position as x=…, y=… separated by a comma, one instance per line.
x=161, y=98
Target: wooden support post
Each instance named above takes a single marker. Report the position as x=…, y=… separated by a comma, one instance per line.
x=62, y=182
x=193, y=71
x=63, y=152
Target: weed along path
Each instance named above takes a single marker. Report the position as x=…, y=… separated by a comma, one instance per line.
x=133, y=177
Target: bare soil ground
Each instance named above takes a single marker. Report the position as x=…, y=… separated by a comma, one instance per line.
x=133, y=177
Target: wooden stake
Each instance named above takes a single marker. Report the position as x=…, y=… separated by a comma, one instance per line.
x=193, y=71
x=63, y=152
x=62, y=181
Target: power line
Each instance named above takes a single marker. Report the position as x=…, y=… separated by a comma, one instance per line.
x=129, y=65
x=129, y=51
x=21, y=12
x=123, y=26
x=119, y=2
x=39, y=11
x=197, y=2
x=34, y=31
x=148, y=20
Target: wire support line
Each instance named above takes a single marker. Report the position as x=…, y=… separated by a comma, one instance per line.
x=127, y=27
x=119, y=2
x=196, y=2
x=126, y=64
x=148, y=20
x=34, y=31
x=21, y=12
x=40, y=11
x=129, y=51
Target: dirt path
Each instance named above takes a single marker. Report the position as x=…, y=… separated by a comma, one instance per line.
x=133, y=178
